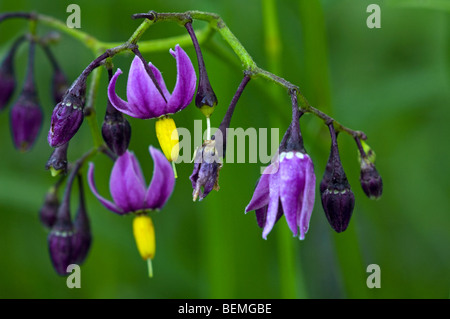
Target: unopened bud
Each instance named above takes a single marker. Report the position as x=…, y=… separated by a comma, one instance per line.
x=47, y=213
x=7, y=78
x=371, y=181
x=82, y=238
x=116, y=132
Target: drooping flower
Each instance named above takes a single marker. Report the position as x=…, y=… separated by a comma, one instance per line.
x=145, y=101
x=128, y=188
x=130, y=195
x=370, y=179
x=287, y=186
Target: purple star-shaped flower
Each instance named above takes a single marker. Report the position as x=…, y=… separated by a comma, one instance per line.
x=286, y=186
x=128, y=188
x=144, y=99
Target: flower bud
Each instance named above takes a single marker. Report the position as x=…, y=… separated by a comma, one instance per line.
x=68, y=114
x=205, y=176
x=167, y=135
x=116, y=132
x=82, y=238
x=47, y=213
x=57, y=163
x=144, y=234
x=26, y=114
x=205, y=99
x=371, y=181
x=338, y=200
x=7, y=78
x=60, y=240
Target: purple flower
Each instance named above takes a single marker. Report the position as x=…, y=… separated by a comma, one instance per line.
x=286, y=186
x=144, y=99
x=128, y=188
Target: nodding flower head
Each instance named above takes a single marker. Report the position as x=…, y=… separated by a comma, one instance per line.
x=144, y=99
x=128, y=188
x=286, y=187
x=338, y=200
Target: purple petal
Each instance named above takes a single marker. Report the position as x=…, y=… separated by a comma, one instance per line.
x=272, y=210
x=160, y=80
x=117, y=102
x=292, y=183
x=308, y=197
x=261, y=214
x=109, y=205
x=127, y=184
x=142, y=93
x=163, y=181
x=260, y=195
x=186, y=79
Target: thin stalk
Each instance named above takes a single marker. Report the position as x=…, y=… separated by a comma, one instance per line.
x=91, y=114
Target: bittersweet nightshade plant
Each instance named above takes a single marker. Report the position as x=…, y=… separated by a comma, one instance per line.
x=287, y=186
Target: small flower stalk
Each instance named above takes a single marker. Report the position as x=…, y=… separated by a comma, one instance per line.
x=287, y=186
x=338, y=199
x=205, y=98
x=150, y=99
x=26, y=113
x=370, y=179
x=7, y=76
x=59, y=81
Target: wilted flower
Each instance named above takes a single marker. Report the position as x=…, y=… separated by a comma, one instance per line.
x=145, y=100
x=338, y=200
x=128, y=188
x=287, y=185
x=206, y=170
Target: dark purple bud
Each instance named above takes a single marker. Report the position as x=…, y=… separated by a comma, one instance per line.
x=205, y=176
x=116, y=130
x=68, y=114
x=371, y=181
x=60, y=240
x=7, y=78
x=26, y=114
x=205, y=99
x=338, y=200
x=49, y=209
x=57, y=163
x=82, y=238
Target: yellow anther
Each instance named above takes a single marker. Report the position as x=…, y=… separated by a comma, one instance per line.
x=167, y=135
x=144, y=234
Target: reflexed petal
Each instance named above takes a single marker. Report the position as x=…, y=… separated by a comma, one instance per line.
x=109, y=205
x=308, y=197
x=261, y=194
x=272, y=210
x=261, y=214
x=163, y=181
x=292, y=183
x=142, y=93
x=126, y=183
x=117, y=102
x=186, y=80
x=160, y=80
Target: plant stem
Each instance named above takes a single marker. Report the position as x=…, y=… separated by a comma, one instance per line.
x=90, y=109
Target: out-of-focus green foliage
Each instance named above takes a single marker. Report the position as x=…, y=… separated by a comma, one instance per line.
x=392, y=83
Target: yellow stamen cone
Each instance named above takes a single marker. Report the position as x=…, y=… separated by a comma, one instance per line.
x=167, y=135
x=144, y=234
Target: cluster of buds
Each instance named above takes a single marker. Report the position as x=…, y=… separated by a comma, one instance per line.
x=68, y=241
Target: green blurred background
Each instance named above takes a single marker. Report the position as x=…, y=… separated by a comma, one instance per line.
x=392, y=83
